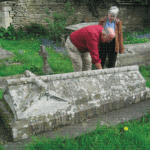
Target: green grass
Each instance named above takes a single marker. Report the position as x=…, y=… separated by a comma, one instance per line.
x=1, y=94
x=26, y=51
x=129, y=135
x=132, y=40
x=114, y=137
x=27, y=55
x=145, y=71
x=128, y=39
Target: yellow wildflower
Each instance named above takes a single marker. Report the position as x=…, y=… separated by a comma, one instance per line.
x=125, y=128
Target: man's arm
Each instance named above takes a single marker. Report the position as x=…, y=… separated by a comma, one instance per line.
x=98, y=66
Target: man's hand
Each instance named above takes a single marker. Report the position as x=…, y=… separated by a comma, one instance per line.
x=98, y=66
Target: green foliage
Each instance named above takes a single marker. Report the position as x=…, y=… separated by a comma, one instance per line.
x=129, y=39
x=145, y=71
x=31, y=31
x=132, y=40
x=1, y=94
x=9, y=34
x=21, y=33
x=36, y=29
x=57, y=27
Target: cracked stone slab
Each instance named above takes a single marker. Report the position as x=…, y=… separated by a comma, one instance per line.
x=73, y=97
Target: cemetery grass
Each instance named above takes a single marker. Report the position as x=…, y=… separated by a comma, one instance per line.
x=137, y=36
x=27, y=56
x=129, y=135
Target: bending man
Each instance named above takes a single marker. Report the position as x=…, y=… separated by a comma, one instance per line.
x=82, y=45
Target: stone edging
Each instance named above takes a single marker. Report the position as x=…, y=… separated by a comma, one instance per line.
x=72, y=75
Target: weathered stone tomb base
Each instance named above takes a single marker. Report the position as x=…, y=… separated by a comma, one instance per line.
x=43, y=103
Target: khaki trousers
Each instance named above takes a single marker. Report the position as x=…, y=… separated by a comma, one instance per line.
x=80, y=61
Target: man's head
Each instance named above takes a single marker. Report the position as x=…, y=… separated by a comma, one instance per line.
x=113, y=12
x=108, y=34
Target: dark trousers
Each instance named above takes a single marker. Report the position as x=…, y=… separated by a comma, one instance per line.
x=108, y=49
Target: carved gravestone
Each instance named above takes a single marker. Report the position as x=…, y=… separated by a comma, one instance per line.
x=46, y=67
x=62, y=40
x=41, y=103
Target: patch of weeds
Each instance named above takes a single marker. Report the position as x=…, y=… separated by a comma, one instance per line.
x=36, y=30
x=1, y=94
x=145, y=71
x=4, y=116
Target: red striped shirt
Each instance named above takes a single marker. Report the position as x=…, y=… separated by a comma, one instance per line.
x=87, y=39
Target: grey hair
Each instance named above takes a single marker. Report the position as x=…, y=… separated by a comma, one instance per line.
x=108, y=31
x=114, y=10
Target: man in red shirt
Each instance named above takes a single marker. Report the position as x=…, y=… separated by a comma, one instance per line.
x=82, y=45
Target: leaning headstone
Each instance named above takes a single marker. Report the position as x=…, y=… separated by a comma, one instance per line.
x=62, y=40
x=46, y=67
x=42, y=103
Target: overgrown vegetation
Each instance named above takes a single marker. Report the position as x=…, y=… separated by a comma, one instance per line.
x=35, y=29
x=8, y=33
x=57, y=27
x=138, y=36
x=32, y=30
x=54, y=30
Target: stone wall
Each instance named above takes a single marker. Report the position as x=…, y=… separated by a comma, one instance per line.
x=134, y=16
x=23, y=12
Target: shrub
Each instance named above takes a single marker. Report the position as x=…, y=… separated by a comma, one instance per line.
x=21, y=33
x=8, y=33
x=36, y=29
x=57, y=27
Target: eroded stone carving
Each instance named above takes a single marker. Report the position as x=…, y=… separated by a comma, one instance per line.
x=46, y=68
x=73, y=98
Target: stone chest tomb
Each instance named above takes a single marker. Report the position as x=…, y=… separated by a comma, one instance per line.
x=41, y=103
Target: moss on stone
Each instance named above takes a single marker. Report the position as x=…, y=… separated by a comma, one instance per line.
x=6, y=120
x=6, y=106
x=6, y=115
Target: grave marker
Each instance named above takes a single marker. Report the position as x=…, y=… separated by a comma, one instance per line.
x=46, y=67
